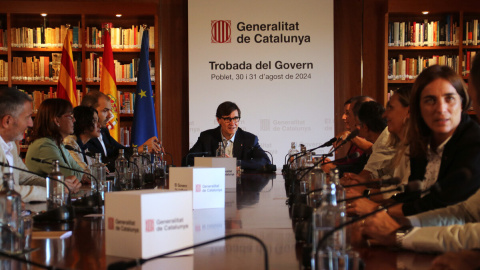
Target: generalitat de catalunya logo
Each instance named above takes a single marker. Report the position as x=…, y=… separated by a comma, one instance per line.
x=221, y=31
x=149, y=225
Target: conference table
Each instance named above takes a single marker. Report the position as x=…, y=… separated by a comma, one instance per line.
x=256, y=207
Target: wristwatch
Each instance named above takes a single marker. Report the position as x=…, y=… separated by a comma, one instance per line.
x=400, y=235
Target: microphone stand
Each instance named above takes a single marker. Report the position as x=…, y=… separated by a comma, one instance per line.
x=65, y=213
x=86, y=204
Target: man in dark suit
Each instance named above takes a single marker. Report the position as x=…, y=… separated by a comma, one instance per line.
x=106, y=144
x=237, y=143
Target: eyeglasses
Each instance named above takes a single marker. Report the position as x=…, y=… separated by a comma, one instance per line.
x=68, y=115
x=230, y=119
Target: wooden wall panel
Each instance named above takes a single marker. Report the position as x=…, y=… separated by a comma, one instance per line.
x=374, y=48
x=174, y=76
x=347, y=55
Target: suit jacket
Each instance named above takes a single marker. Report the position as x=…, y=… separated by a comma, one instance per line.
x=462, y=151
x=30, y=186
x=245, y=148
x=111, y=145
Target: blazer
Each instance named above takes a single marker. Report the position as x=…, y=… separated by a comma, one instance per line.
x=46, y=148
x=462, y=152
x=111, y=145
x=29, y=186
x=245, y=148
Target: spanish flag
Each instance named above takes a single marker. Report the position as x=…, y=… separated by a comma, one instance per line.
x=108, y=80
x=67, y=86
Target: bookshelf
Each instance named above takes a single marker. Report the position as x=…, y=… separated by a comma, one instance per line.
x=25, y=53
x=449, y=34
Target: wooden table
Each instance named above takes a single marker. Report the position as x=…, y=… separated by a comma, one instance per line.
x=257, y=207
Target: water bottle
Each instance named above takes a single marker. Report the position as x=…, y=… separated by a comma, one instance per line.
x=342, y=207
x=122, y=180
x=99, y=171
x=55, y=190
x=317, y=181
x=292, y=155
x=302, y=158
x=137, y=168
x=147, y=173
x=159, y=167
x=220, y=150
x=326, y=218
x=10, y=217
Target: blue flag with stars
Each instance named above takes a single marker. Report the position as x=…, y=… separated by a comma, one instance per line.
x=144, y=121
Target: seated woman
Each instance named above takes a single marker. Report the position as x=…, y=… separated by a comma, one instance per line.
x=390, y=158
x=86, y=126
x=443, y=142
x=53, y=122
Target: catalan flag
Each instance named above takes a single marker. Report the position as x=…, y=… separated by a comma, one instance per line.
x=108, y=82
x=144, y=121
x=67, y=86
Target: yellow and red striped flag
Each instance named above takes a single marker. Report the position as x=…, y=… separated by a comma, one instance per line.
x=67, y=86
x=108, y=82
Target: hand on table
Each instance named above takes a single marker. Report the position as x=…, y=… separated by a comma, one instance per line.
x=72, y=183
x=380, y=228
x=153, y=145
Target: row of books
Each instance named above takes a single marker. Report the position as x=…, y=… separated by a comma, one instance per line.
x=3, y=40
x=3, y=71
x=39, y=96
x=125, y=135
x=126, y=102
x=409, y=68
x=427, y=33
x=123, y=72
x=471, y=35
x=41, y=37
x=467, y=61
x=41, y=68
x=121, y=38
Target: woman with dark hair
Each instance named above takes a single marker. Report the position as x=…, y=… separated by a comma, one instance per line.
x=53, y=122
x=443, y=141
x=86, y=126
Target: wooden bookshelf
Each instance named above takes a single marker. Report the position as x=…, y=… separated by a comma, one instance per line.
x=460, y=12
x=81, y=14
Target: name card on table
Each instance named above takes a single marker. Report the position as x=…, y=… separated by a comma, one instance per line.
x=230, y=165
x=147, y=223
x=206, y=184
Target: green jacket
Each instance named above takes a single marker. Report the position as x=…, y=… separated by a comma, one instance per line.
x=47, y=149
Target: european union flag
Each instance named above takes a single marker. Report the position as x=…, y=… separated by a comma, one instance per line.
x=144, y=121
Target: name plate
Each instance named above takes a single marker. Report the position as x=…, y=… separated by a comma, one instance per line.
x=230, y=165
x=206, y=184
x=147, y=223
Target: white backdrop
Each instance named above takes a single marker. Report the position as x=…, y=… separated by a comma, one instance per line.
x=274, y=59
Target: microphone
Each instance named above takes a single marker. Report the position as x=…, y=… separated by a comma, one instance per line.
x=351, y=156
x=350, y=136
x=138, y=262
x=329, y=143
x=377, y=184
x=413, y=186
x=59, y=214
x=70, y=148
x=87, y=202
x=267, y=167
